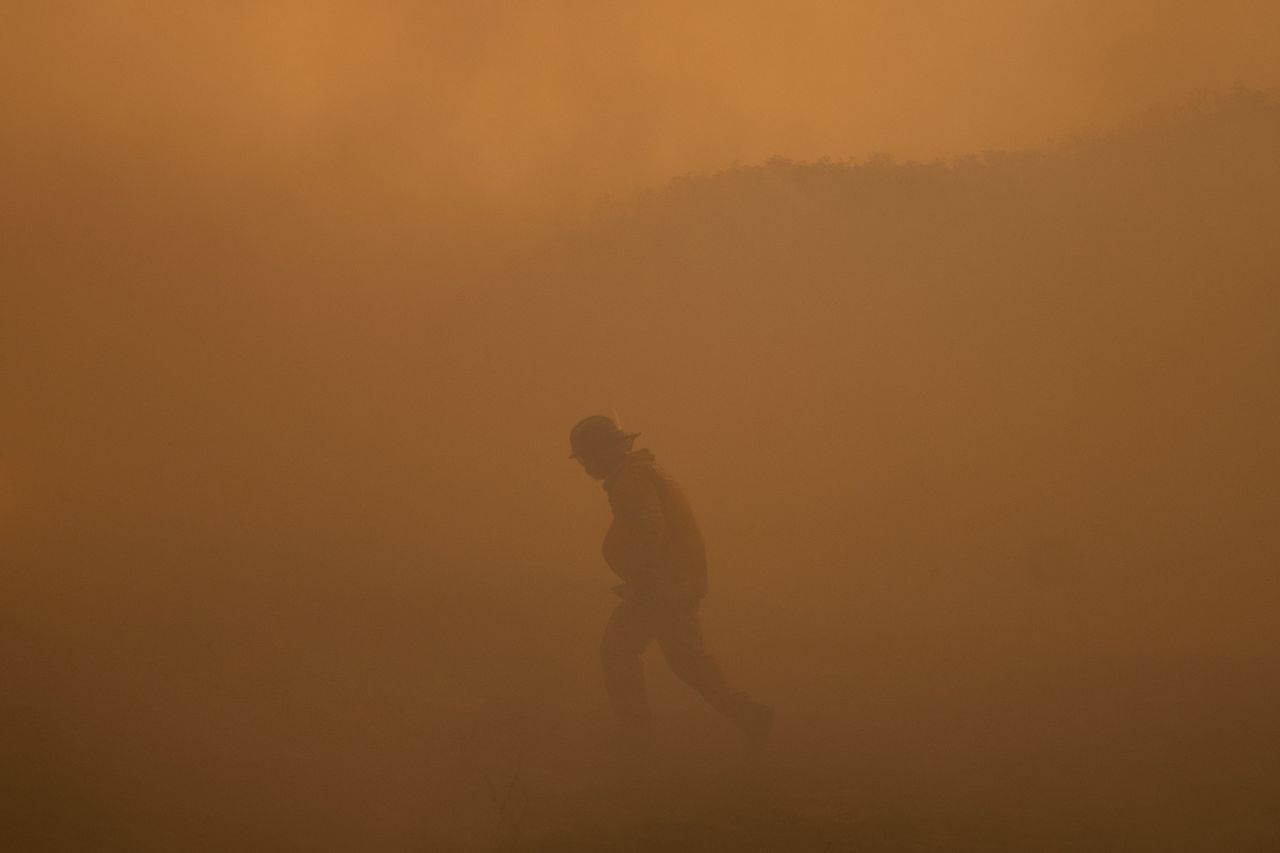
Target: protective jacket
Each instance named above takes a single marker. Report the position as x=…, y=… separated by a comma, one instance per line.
x=653, y=544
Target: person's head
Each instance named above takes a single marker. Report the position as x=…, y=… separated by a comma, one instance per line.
x=599, y=444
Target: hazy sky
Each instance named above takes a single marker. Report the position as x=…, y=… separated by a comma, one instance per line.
x=510, y=101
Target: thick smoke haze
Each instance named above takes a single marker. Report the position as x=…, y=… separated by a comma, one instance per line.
x=532, y=103
x=958, y=323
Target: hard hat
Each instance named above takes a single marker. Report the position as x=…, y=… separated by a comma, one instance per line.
x=596, y=433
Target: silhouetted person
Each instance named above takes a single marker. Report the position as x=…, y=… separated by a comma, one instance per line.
x=655, y=547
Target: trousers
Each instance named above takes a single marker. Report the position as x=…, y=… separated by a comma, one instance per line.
x=676, y=626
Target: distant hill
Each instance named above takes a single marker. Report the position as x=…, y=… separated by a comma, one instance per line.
x=1071, y=351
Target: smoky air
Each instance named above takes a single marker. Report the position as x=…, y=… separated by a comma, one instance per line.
x=918, y=363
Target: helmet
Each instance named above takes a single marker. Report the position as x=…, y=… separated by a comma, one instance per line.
x=596, y=433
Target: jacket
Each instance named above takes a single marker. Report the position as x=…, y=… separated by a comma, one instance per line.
x=653, y=543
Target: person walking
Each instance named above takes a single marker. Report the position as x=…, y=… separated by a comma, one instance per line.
x=655, y=548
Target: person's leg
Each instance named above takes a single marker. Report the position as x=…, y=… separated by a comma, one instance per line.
x=680, y=638
x=629, y=632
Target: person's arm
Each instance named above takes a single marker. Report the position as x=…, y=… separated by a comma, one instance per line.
x=637, y=511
